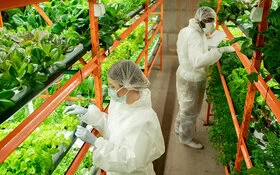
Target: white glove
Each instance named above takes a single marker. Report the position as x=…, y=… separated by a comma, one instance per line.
x=226, y=49
x=85, y=135
x=75, y=109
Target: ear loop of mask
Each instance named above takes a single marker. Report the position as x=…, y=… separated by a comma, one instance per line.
x=125, y=93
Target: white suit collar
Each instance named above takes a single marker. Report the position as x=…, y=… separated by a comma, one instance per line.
x=144, y=100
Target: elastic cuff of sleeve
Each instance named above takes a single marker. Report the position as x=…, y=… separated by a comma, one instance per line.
x=98, y=142
x=92, y=109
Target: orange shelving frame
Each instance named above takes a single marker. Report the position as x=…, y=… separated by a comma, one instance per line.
x=260, y=85
x=1, y=21
x=93, y=67
x=5, y=5
x=74, y=166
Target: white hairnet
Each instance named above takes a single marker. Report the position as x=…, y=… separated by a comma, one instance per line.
x=128, y=75
x=204, y=13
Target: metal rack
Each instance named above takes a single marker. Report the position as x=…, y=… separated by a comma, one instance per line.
x=93, y=67
x=260, y=85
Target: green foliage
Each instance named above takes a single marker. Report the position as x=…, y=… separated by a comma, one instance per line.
x=5, y=102
x=238, y=83
x=222, y=133
x=246, y=45
x=272, y=40
x=265, y=155
x=263, y=140
x=237, y=11
x=29, y=61
x=84, y=168
x=126, y=50
x=35, y=154
x=74, y=15
x=25, y=51
x=212, y=3
x=253, y=77
x=229, y=61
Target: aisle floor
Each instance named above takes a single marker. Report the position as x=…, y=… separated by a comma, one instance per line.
x=179, y=159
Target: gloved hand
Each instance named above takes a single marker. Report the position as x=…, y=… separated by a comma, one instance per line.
x=75, y=109
x=85, y=135
x=226, y=49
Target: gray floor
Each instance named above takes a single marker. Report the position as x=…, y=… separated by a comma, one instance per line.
x=179, y=159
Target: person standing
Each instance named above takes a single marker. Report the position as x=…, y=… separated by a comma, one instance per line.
x=194, y=58
x=132, y=137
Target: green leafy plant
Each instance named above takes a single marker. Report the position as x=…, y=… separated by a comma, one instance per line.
x=35, y=154
x=231, y=10
x=271, y=54
x=222, y=133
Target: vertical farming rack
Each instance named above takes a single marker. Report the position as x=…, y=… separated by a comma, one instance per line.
x=92, y=67
x=260, y=86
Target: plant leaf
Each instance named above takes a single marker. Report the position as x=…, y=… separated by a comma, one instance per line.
x=252, y=77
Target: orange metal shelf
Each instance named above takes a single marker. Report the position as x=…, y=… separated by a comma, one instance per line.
x=144, y=16
x=148, y=43
x=5, y=5
x=1, y=21
x=260, y=85
x=20, y=133
x=234, y=119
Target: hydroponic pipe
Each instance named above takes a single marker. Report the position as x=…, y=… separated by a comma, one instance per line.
x=149, y=42
x=70, y=59
x=156, y=21
x=159, y=48
x=139, y=9
x=154, y=50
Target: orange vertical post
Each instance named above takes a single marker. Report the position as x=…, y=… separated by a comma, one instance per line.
x=218, y=9
x=208, y=114
x=161, y=32
x=1, y=20
x=207, y=122
x=146, y=20
x=95, y=50
x=256, y=62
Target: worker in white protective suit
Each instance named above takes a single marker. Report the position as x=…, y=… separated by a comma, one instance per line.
x=191, y=74
x=132, y=137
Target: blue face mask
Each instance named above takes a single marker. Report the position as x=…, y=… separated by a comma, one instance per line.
x=113, y=95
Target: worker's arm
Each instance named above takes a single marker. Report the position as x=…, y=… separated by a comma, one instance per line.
x=198, y=57
x=96, y=118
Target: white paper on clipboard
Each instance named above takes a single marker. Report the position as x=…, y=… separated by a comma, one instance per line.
x=216, y=38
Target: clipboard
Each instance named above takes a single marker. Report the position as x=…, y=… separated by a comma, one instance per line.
x=216, y=38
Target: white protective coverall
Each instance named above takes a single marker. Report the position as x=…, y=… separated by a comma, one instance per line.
x=191, y=75
x=132, y=137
